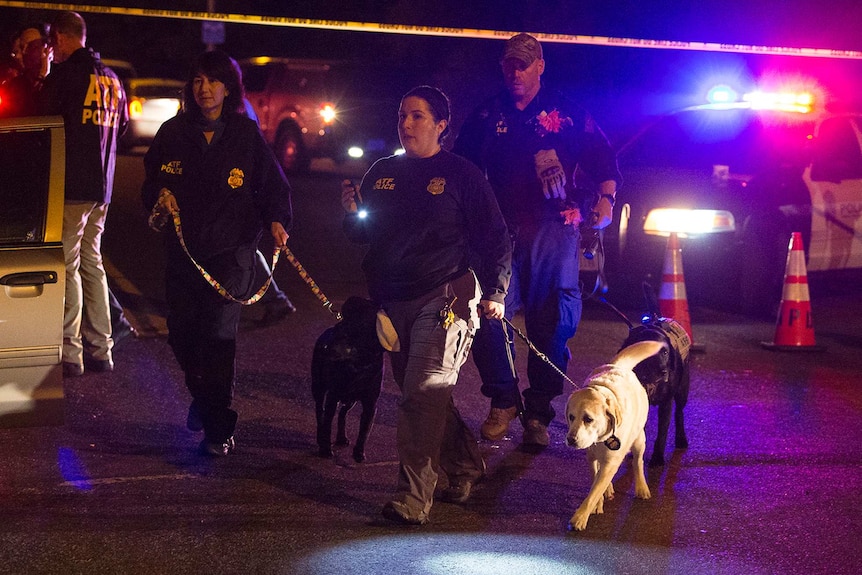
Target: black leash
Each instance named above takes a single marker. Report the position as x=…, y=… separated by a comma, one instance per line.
x=538, y=353
x=519, y=402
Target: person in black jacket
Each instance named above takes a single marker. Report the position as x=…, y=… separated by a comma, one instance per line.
x=93, y=104
x=19, y=95
x=424, y=215
x=211, y=165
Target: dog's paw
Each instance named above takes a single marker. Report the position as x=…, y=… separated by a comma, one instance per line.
x=600, y=507
x=358, y=456
x=609, y=492
x=324, y=452
x=642, y=491
x=342, y=442
x=681, y=442
x=578, y=522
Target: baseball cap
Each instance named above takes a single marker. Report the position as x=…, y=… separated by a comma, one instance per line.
x=522, y=47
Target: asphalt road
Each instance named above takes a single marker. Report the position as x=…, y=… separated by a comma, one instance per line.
x=771, y=482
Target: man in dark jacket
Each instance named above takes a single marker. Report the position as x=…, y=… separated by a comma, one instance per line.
x=93, y=104
x=532, y=143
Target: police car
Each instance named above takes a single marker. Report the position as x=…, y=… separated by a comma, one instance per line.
x=734, y=178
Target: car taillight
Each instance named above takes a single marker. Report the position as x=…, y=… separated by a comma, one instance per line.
x=664, y=221
x=327, y=113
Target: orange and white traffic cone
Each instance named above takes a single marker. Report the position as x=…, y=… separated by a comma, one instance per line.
x=672, y=299
x=794, y=328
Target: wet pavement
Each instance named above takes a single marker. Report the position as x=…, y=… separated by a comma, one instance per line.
x=771, y=482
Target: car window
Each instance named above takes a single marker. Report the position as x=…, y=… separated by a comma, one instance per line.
x=294, y=80
x=254, y=78
x=25, y=164
x=700, y=139
x=157, y=91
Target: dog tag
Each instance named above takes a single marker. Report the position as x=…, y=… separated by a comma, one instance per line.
x=613, y=443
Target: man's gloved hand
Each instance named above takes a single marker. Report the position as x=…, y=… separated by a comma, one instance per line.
x=605, y=211
x=550, y=172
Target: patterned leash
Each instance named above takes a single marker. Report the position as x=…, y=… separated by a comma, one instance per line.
x=307, y=278
x=253, y=299
x=178, y=226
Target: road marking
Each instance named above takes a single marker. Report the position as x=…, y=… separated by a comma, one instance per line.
x=115, y=480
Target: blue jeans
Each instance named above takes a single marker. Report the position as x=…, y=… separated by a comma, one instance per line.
x=545, y=285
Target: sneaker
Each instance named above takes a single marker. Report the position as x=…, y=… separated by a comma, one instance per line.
x=497, y=423
x=122, y=334
x=398, y=512
x=72, y=369
x=536, y=434
x=218, y=448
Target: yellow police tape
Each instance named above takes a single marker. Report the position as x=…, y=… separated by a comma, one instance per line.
x=443, y=31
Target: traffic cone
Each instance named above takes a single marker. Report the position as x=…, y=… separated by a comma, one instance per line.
x=794, y=328
x=672, y=299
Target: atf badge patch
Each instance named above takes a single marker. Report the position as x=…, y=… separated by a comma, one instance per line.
x=436, y=186
x=235, y=179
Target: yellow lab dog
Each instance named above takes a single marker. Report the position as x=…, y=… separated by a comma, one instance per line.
x=607, y=418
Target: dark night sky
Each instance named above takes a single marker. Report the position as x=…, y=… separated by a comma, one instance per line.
x=617, y=84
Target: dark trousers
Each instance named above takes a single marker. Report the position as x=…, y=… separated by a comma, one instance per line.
x=202, y=328
x=545, y=285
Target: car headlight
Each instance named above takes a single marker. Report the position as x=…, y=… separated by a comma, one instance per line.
x=136, y=108
x=327, y=113
x=664, y=221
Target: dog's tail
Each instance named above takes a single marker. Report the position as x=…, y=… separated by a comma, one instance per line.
x=632, y=355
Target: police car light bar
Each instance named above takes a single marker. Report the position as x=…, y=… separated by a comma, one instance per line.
x=723, y=97
x=784, y=101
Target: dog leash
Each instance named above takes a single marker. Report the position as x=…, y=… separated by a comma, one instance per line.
x=178, y=227
x=256, y=297
x=311, y=283
x=538, y=353
x=519, y=401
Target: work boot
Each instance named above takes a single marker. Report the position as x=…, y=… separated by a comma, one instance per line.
x=535, y=434
x=497, y=423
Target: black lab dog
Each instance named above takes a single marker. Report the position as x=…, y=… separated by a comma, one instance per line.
x=346, y=367
x=665, y=376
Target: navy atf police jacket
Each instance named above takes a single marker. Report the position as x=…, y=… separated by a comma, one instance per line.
x=95, y=113
x=228, y=192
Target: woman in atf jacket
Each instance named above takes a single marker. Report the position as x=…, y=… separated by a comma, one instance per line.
x=211, y=166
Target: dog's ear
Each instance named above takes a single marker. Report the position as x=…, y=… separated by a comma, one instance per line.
x=614, y=413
